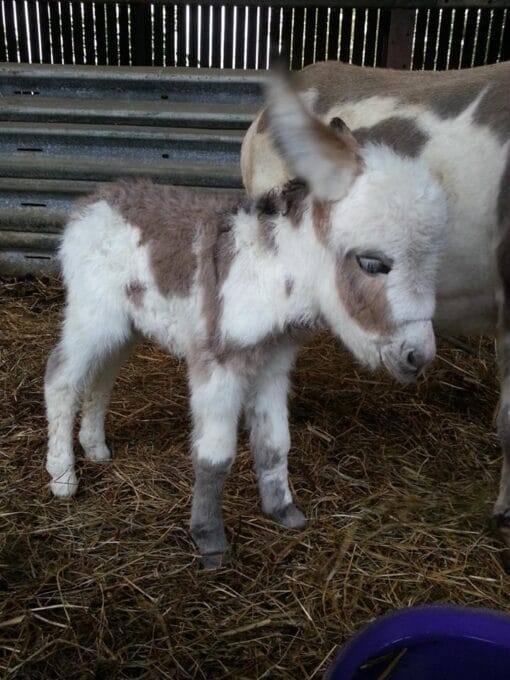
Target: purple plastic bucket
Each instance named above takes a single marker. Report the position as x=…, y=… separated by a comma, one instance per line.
x=429, y=643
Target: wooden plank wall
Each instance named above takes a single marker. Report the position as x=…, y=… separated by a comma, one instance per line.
x=239, y=36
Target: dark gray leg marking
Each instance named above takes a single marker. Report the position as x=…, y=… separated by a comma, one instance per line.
x=207, y=528
x=267, y=418
x=271, y=466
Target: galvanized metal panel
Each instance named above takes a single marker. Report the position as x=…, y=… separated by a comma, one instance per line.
x=64, y=129
x=132, y=83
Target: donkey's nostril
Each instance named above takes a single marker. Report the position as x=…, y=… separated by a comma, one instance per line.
x=414, y=359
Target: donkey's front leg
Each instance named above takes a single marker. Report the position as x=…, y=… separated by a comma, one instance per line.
x=267, y=418
x=216, y=398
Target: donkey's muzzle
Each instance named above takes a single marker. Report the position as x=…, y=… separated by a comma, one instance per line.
x=410, y=355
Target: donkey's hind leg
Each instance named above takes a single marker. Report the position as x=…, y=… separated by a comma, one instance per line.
x=502, y=506
x=88, y=337
x=95, y=405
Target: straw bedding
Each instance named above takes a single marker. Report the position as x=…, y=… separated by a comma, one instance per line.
x=397, y=484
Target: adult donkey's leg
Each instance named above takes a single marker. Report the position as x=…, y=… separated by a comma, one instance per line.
x=502, y=507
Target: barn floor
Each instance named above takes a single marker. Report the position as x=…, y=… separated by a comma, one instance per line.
x=397, y=484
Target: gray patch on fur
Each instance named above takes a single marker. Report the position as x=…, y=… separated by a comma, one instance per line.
x=55, y=361
x=401, y=134
x=207, y=528
x=288, y=201
x=289, y=286
x=267, y=234
x=135, y=292
x=493, y=110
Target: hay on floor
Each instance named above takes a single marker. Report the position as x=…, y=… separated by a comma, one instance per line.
x=397, y=484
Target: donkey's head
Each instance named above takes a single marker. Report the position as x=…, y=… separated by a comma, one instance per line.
x=381, y=220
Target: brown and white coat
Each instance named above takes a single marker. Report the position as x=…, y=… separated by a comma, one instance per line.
x=458, y=124
x=231, y=287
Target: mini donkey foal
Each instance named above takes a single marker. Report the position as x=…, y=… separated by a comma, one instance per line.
x=354, y=245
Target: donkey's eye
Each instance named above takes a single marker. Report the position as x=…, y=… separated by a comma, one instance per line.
x=373, y=265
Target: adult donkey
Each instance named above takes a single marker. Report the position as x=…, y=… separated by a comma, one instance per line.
x=458, y=122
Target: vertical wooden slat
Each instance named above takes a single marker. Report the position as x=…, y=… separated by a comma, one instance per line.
x=445, y=28
x=180, y=12
x=141, y=35
x=505, y=45
x=56, y=48
x=482, y=37
x=345, y=34
x=158, y=35
x=204, y=36
x=216, y=37
x=359, y=36
x=334, y=32
x=382, y=37
x=286, y=35
x=22, y=32
x=33, y=27
x=371, y=37
x=432, y=31
x=297, y=38
x=228, y=45
x=274, y=33
x=456, y=38
x=193, y=35
x=469, y=38
x=239, y=36
x=124, y=34
x=45, y=31
x=309, y=35
x=10, y=29
x=263, y=37
x=67, y=32
x=101, y=33
x=400, y=39
x=170, y=35
x=251, y=56
x=321, y=32
x=111, y=34
x=88, y=22
x=77, y=33
x=495, y=35
x=3, y=43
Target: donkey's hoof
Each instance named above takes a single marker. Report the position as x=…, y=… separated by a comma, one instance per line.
x=214, y=561
x=290, y=516
x=501, y=527
x=501, y=515
x=65, y=485
x=99, y=453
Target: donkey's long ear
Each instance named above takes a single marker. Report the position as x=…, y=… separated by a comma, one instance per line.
x=325, y=157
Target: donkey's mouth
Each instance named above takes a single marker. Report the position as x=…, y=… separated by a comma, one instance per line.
x=402, y=373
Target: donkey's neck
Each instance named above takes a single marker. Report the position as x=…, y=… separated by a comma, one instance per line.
x=272, y=283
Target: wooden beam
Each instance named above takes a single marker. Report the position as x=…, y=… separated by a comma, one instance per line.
x=400, y=39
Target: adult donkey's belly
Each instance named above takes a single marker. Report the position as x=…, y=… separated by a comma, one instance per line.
x=459, y=124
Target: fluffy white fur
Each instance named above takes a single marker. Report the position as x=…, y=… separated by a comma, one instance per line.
x=394, y=206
